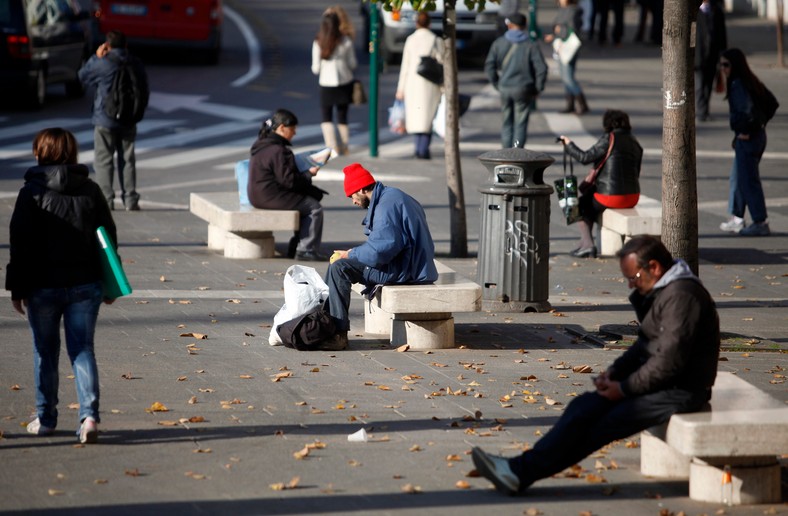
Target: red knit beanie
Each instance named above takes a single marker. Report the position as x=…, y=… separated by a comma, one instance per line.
x=356, y=178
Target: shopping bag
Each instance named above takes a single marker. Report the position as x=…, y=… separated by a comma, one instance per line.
x=439, y=122
x=566, y=190
x=566, y=49
x=242, y=178
x=359, y=95
x=114, y=280
x=304, y=290
x=397, y=117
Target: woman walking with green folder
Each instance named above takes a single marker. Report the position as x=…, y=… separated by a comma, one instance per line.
x=55, y=273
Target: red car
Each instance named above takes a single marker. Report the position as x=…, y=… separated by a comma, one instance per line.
x=190, y=24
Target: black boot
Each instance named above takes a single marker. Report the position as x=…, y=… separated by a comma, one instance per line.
x=570, y=104
x=582, y=107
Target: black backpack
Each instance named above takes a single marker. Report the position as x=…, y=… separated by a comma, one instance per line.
x=306, y=331
x=766, y=106
x=128, y=96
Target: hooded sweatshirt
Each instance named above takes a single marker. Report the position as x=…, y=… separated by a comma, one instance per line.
x=53, y=241
x=678, y=341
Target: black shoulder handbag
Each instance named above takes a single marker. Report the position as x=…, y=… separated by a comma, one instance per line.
x=566, y=189
x=430, y=68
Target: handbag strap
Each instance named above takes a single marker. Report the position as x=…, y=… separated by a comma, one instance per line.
x=571, y=164
x=596, y=170
x=508, y=56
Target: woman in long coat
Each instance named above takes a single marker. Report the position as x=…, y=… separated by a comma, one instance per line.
x=421, y=96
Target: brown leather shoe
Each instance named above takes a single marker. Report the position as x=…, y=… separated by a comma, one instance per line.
x=336, y=343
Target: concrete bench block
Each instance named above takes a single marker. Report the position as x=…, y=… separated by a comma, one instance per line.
x=240, y=231
x=659, y=459
x=755, y=480
x=376, y=320
x=433, y=331
x=249, y=245
x=617, y=226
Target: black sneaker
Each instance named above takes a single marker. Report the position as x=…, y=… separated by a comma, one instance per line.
x=311, y=256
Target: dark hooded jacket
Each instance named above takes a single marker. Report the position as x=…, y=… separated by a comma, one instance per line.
x=621, y=172
x=53, y=241
x=678, y=343
x=275, y=183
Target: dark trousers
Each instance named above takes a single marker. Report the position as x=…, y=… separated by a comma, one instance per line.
x=704, y=82
x=592, y=421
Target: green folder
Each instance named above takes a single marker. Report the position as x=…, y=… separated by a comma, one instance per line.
x=116, y=284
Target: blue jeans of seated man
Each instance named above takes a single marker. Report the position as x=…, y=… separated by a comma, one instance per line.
x=78, y=307
x=568, y=77
x=516, y=108
x=340, y=277
x=591, y=421
x=746, y=190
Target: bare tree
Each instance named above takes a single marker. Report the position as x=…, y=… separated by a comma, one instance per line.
x=679, y=174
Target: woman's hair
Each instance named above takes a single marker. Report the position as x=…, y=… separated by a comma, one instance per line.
x=328, y=36
x=345, y=25
x=615, y=119
x=281, y=117
x=741, y=70
x=55, y=146
x=423, y=20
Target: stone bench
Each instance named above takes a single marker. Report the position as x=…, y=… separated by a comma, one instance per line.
x=421, y=315
x=745, y=429
x=616, y=226
x=240, y=231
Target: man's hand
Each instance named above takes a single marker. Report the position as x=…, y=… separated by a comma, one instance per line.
x=18, y=305
x=102, y=50
x=313, y=171
x=399, y=95
x=610, y=389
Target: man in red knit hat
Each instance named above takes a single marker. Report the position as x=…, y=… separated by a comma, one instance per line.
x=399, y=248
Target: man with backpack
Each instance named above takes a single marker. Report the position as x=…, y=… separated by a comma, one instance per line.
x=121, y=96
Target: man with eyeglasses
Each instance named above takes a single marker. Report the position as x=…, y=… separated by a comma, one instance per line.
x=669, y=369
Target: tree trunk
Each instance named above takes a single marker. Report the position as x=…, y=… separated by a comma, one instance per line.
x=679, y=175
x=458, y=224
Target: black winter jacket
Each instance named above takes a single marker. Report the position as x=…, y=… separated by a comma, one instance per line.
x=53, y=230
x=275, y=183
x=621, y=171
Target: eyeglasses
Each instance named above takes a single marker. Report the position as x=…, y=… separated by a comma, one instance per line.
x=725, y=64
x=636, y=277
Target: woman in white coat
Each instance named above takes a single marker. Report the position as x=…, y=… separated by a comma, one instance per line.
x=421, y=97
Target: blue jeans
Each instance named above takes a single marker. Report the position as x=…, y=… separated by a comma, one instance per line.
x=746, y=190
x=516, y=108
x=591, y=421
x=568, y=77
x=78, y=307
x=340, y=277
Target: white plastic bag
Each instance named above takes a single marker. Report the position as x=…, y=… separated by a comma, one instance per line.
x=304, y=290
x=439, y=122
x=397, y=117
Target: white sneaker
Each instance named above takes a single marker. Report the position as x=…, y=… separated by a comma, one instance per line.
x=497, y=470
x=732, y=225
x=88, y=431
x=36, y=428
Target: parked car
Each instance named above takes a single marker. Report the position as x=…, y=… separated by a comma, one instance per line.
x=475, y=30
x=43, y=42
x=192, y=24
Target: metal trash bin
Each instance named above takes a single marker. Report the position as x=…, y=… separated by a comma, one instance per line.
x=514, y=241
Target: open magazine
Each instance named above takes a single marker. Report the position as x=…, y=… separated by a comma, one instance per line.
x=308, y=159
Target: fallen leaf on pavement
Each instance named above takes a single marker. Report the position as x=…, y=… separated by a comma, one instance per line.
x=157, y=407
x=403, y=348
x=411, y=489
x=462, y=484
x=198, y=336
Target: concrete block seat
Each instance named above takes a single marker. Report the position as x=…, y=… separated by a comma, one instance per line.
x=745, y=429
x=240, y=231
x=618, y=226
x=421, y=315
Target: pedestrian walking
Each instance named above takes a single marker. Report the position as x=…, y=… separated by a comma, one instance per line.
x=333, y=61
x=614, y=180
x=669, y=369
x=55, y=274
x=517, y=70
x=569, y=21
x=421, y=96
x=275, y=183
x=745, y=92
x=115, y=134
x=711, y=40
x=399, y=248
